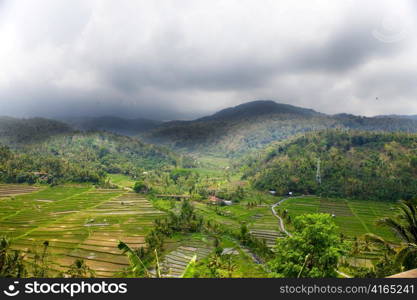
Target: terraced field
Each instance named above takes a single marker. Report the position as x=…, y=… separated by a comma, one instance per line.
x=265, y=227
x=260, y=221
x=78, y=222
x=9, y=190
x=354, y=217
x=175, y=262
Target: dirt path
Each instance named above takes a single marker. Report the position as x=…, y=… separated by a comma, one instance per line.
x=281, y=221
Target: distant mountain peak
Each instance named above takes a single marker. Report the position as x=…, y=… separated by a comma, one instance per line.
x=258, y=108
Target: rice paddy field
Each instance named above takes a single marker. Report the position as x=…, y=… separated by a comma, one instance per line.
x=354, y=217
x=78, y=221
x=83, y=222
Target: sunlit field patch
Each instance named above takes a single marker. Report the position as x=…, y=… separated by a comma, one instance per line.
x=354, y=217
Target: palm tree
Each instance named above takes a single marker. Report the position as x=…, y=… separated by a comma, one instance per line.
x=139, y=269
x=11, y=262
x=405, y=225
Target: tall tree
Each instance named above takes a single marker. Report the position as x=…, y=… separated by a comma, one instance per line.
x=312, y=250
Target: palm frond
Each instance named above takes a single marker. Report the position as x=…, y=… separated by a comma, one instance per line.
x=397, y=227
x=404, y=253
x=190, y=269
x=136, y=263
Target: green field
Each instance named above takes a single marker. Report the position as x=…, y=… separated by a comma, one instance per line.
x=78, y=221
x=83, y=222
x=354, y=217
x=122, y=180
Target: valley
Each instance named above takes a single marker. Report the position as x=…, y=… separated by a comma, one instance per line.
x=205, y=198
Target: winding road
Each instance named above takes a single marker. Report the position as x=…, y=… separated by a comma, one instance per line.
x=281, y=221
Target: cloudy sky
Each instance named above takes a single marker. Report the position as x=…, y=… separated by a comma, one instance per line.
x=185, y=58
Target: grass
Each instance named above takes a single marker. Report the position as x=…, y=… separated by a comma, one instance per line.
x=79, y=222
x=122, y=180
x=353, y=217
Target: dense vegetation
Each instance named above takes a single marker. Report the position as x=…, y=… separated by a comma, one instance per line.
x=250, y=126
x=224, y=203
x=365, y=165
x=17, y=132
x=81, y=157
x=313, y=250
x=117, y=125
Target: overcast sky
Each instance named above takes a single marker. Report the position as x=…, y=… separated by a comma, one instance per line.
x=186, y=58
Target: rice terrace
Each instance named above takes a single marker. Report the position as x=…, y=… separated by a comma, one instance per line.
x=78, y=222
x=208, y=139
x=85, y=222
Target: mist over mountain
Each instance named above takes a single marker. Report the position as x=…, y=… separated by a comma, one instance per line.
x=253, y=125
x=411, y=117
x=113, y=124
x=229, y=132
x=15, y=132
x=258, y=108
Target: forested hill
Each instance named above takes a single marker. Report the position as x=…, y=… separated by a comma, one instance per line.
x=354, y=164
x=253, y=125
x=113, y=124
x=257, y=109
x=82, y=157
x=15, y=132
x=411, y=117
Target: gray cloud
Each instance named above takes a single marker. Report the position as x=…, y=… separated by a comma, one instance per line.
x=169, y=59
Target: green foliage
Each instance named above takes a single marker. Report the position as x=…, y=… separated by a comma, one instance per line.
x=81, y=157
x=19, y=132
x=179, y=173
x=137, y=266
x=250, y=126
x=259, y=247
x=140, y=187
x=190, y=269
x=217, y=265
x=363, y=165
x=311, y=251
x=40, y=266
x=11, y=262
x=79, y=269
x=187, y=221
x=405, y=226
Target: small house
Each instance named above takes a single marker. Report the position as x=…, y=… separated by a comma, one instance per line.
x=214, y=200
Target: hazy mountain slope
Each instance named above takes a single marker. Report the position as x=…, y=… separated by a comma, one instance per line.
x=355, y=164
x=15, y=132
x=256, y=109
x=411, y=117
x=252, y=125
x=113, y=124
x=82, y=157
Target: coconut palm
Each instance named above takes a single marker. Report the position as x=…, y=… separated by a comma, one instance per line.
x=405, y=225
x=139, y=269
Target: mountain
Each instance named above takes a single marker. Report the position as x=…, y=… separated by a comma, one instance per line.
x=411, y=117
x=15, y=132
x=250, y=126
x=353, y=164
x=258, y=108
x=113, y=124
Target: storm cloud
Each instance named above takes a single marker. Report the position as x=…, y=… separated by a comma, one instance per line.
x=183, y=59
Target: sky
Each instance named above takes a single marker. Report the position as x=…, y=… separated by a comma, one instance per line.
x=183, y=59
